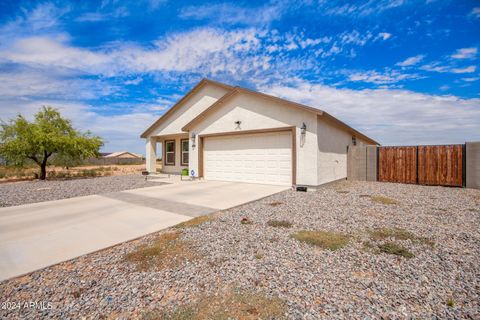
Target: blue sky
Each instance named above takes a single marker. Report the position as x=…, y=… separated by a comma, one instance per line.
x=401, y=71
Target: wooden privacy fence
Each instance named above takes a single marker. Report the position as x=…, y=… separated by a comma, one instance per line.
x=445, y=165
x=429, y=165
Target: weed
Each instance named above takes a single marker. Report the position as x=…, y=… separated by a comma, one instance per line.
x=275, y=203
x=395, y=249
x=232, y=305
x=245, y=220
x=78, y=293
x=166, y=252
x=383, y=200
x=450, y=303
x=279, y=223
x=323, y=239
x=195, y=222
x=397, y=234
x=258, y=256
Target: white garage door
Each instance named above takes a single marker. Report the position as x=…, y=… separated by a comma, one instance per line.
x=255, y=158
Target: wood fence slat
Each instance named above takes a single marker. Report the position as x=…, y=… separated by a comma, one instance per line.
x=434, y=165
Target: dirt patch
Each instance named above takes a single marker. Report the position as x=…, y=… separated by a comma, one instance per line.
x=279, y=223
x=383, y=200
x=224, y=306
x=167, y=251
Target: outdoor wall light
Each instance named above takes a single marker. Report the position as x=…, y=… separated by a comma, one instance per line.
x=304, y=128
x=238, y=123
x=193, y=139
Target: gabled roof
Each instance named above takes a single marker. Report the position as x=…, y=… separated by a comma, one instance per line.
x=119, y=153
x=236, y=90
x=177, y=105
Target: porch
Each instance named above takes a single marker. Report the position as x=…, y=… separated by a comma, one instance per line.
x=172, y=149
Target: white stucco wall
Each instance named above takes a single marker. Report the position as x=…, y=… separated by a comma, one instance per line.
x=332, y=151
x=260, y=113
x=195, y=105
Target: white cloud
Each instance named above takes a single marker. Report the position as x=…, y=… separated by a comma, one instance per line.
x=475, y=12
x=134, y=82
x=227, y=13
x=469, y=69
x=471, y=79
x=366, y=8
x=389, y=76
x=28, y=83
x=355, y=37
x=411, y=61
x=385, y=35
x=465, y=53
x=391, y=116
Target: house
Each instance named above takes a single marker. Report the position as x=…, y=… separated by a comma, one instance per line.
x=221, y=132
x=121, y=155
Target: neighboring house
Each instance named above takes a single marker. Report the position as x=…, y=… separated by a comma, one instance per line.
x=121, y=155
x=220, y=132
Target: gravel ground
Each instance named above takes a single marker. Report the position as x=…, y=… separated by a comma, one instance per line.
x=17, y=193
x=439, y=282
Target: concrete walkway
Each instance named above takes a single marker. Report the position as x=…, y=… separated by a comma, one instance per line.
x=34, y=236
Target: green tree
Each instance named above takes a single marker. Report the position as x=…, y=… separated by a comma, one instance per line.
x=49, y=134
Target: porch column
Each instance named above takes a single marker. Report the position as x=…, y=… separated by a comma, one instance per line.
x=151, y=154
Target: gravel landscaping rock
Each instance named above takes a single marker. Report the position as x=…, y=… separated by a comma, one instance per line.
x=440, y=281
x=17, y=193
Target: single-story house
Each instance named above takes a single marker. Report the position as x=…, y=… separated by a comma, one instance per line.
x=222, y=132
x=121, y=155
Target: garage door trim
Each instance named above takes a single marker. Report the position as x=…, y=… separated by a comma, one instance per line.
x=292, y=129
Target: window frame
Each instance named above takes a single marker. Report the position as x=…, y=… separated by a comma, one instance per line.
x=165, y=153
x=183, y=163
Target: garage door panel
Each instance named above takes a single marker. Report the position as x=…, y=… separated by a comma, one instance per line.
x=258, y=158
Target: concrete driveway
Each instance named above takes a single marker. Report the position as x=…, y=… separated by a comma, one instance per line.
x=34, y=236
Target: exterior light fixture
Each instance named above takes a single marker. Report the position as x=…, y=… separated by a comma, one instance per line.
x=238, y=123
x=304, y=128
x=354, y=140
x=193, y=139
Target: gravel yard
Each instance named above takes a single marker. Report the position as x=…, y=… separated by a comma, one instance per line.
x=439, y=278
x=17, y=193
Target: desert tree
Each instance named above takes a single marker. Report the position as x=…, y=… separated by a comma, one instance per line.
x=47, y=135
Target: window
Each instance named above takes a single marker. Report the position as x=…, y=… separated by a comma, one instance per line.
x=169, y=152
x=184, y=159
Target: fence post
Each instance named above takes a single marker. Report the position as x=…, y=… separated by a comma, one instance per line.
x=472, y=164
x=372, y=163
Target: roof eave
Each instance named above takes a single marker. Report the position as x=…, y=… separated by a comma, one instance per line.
x=170, y=111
